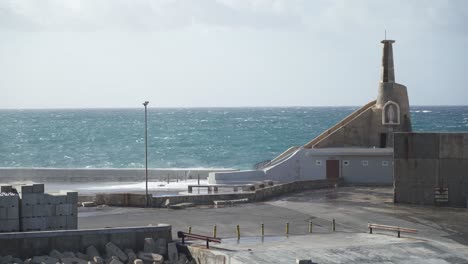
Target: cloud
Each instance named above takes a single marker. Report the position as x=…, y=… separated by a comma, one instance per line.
x=149, y=15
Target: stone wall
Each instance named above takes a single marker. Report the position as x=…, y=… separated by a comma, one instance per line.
x=260, y=194
x=431, y=166
x=28, y=244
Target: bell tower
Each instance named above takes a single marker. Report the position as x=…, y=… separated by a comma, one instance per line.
x=392, y=97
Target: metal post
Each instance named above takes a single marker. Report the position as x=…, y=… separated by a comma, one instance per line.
x=198, y=179
x=333, y=225
x=263, y=230
x=214, y=231
x=310, y=226
x=146, y=152
x=287, y=228
x=238, y=232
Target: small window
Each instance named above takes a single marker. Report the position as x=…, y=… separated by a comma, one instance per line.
x=345, y=162
x=318, y=162
x=384, y=163
x=365, y=163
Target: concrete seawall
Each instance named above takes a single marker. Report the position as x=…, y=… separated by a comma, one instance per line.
x=102, y=175
x=137, y=200
x=28, y=244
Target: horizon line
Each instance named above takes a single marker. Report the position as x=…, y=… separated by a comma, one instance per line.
x=206, y=107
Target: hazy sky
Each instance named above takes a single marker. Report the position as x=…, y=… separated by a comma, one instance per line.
x=118, y=53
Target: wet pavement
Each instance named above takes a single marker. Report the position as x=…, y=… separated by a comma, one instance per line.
x=352, y=207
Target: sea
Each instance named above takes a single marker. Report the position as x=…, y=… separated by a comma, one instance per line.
x=178, y=137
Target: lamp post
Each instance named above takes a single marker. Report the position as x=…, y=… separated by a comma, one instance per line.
x=145, y=104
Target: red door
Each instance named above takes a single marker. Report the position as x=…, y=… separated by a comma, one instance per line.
x=333, y=169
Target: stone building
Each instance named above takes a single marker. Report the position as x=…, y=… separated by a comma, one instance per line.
x=358, y=149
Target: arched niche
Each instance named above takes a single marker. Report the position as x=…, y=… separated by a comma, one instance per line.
x=391, y=113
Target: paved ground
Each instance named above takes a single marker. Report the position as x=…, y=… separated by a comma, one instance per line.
x=344, y=248
x=442, y=231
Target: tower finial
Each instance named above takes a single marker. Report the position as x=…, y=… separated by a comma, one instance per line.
x=388, y=72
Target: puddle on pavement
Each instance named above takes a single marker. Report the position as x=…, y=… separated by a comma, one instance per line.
x=253, y=240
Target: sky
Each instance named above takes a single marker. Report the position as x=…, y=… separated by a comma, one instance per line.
x=227, y=53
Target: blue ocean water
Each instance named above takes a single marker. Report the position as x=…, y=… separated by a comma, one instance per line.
x=184, y=137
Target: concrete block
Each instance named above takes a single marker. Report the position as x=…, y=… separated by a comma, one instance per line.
x=161, y=246
x=63, y=209
x=82, y=256
x=9, y=225
x=151, y=258
x=92, y=251
x=6, y=188
x=73, y=261
x=55, y=199
x=34, y=224
x=113, y=250
x=3, y=213
x=55, y=254
x=72, y=222
x=68, y=254
x=16, y=261
x=38, y=188
x=26, y=211
x=304, y=261
x=12, y=213
x=32, y=199
x=149, y=245
x=172, y=252
x=9, y=201
x=49, y=210
x=88, y=204
x=131, y=255
x=72, y=198
x=115, y=261
x=44, y=260
x=98, y=260
x=57, y=222
x=138, y=261
x=38, y=210
x=74, y=209
x=26, y=189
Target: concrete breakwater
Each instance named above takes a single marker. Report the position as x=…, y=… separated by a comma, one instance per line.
x=262, y=194
x=8, y=175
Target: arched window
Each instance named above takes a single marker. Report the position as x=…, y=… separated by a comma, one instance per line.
x=391, y=113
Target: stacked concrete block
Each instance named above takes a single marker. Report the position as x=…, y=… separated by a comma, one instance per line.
x=41, y=211
x=9, y=210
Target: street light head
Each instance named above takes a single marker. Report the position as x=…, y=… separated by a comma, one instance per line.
x=145, y=103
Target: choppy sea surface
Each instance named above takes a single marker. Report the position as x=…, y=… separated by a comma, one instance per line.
x=178, y=137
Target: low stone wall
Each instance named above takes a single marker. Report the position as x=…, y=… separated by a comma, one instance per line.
x=206, y=199
x=122, y=199
x=29, y=244
x=100, y=175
